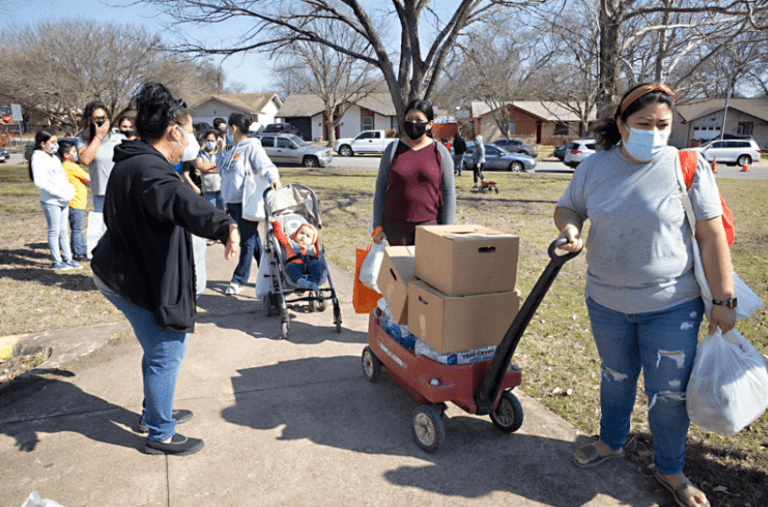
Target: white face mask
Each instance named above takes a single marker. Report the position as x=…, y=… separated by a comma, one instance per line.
x=192, y=148
x=645, y=145
x=53, y=148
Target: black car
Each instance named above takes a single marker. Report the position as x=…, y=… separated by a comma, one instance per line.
x=560, y=152
x=517, y=146
x=280, y=128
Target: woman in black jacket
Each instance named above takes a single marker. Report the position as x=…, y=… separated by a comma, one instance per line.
x=144, y=262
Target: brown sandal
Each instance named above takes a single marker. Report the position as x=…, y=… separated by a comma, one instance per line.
x=594, y=458
x=683, y=492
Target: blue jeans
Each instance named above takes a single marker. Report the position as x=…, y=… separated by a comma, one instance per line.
x=98, y=203
x=163, y=352
x=314, y=271
x=58, y=236
x=250, y=243
x=663, y=343
x=77, y=226
x=215, y=199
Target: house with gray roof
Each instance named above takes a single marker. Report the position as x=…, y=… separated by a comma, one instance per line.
x=261, y=108
x=702, y=120
x=307, y=113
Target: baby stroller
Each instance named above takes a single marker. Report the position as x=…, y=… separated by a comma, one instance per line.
x=291, y=205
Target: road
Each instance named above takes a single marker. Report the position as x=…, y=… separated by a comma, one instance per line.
x=757, y=171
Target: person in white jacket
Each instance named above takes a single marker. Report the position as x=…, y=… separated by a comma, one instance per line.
x=246, y=156
x=46, y=173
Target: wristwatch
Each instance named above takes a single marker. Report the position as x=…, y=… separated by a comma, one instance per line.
x=730, y=303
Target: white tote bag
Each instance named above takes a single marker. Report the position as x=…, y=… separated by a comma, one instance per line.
x=748, y=301
x=253, y=197
x=95, y=230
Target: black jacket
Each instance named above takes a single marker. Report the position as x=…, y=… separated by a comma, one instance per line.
x=146, y=254
x=459, y=146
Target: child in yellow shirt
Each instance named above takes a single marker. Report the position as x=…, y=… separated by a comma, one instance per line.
x=79, y=179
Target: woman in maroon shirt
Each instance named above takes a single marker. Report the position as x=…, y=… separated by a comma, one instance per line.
x=415, y=183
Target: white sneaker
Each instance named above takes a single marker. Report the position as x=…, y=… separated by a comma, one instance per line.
x=234, y=288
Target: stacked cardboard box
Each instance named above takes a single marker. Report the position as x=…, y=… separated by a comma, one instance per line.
x=456, y=289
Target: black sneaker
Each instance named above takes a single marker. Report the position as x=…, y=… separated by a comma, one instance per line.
x=178, y=446
x=181, y=416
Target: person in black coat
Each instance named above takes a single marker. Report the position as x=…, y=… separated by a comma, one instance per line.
x=459, y=149
x=144, y=262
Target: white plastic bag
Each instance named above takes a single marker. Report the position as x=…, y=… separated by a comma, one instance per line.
x=748, y=302
x=728, y=387
x=253, y=197
x=369, y=271
x=34, y=500
x=94, y=231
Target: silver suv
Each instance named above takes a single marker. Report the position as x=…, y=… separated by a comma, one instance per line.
x=731, y=151
x=291, y=149
x=580, y=150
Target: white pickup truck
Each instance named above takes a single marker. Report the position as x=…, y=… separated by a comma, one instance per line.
x=368, y=141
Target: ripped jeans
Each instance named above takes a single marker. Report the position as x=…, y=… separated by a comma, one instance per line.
x=664, y=344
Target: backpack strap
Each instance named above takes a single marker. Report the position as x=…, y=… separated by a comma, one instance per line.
x=688, y=160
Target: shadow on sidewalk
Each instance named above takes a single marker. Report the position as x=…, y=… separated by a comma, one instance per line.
x=41, y=404
x=343, y=410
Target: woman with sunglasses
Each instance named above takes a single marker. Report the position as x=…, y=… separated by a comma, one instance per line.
x=96, y=148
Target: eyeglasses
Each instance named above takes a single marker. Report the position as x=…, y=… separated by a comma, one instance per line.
x=97, y=119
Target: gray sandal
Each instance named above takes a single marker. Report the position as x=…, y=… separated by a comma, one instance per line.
x=593, y=456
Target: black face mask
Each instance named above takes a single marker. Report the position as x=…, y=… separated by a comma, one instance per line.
x=415, y=130
x=128, y=133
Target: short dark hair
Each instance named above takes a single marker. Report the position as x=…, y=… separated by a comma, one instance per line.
x=64, y=147
x=156, y=109
x=219, y=121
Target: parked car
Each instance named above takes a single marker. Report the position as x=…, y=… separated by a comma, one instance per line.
x=291, y=149
x=499, y=159
x=560, y=151
x=280, y=128
x=580, y=150
x=368, y=141
x=517, y=146
x=731, y=151
x=4, y=156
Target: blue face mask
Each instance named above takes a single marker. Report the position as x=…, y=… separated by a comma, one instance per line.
x=210, y=145
x=229, y=139
x=645, y=145
x=74, y=156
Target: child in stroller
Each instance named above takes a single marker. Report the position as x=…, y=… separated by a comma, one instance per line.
x=302, y=264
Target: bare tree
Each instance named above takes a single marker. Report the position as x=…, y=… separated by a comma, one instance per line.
x=410, y=71
x=56, y=68
x=334, y=77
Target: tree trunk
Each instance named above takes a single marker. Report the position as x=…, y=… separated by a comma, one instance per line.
x=610, y=30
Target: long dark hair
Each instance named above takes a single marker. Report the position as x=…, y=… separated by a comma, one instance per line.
x=607, y=132
x=156, y=109
x=242, y=122
x=85, y=121
x=42, y=136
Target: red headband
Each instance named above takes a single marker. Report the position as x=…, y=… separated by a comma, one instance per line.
x=645, y=89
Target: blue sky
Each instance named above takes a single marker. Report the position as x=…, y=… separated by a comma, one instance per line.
x=252, y=70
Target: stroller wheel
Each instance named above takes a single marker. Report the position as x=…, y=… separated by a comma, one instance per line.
x=284, y=331
x=266, y=303
x=320, y=302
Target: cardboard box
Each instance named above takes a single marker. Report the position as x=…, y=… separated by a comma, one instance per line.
x=455, y=324
x=461, y=260
x=396, y=271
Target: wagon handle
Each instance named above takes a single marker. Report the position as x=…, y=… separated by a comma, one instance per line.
x=489, y=392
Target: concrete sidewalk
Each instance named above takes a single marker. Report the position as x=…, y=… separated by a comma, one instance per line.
x=285, y=422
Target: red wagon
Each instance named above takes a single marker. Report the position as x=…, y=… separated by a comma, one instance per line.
x=483, y=387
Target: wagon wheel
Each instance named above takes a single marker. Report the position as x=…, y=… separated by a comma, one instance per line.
x=284, y=331
x=427, y=427
x=508, y=416
x=371, y=365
